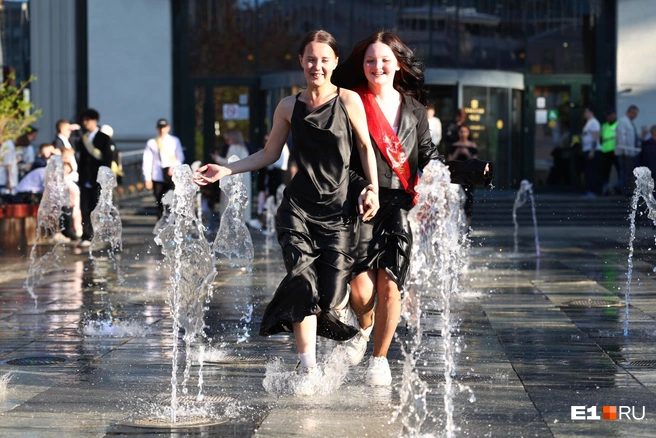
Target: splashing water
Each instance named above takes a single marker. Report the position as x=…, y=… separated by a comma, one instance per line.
x=645, y=189
x=233, y=239
x=191, y=262
x=271, y=209
x=279, y=380
x=245, y=321
x=525, y=192
x=199, y=197
x=167, y=200
x=439, y=254
x=106, y=220
x=4, y=381
x=214, y=354
x=55, y=197
x=113, y=328
x=272, y=204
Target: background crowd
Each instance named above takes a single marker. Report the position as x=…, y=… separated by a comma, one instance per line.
x=588, y=158
x=83, y=148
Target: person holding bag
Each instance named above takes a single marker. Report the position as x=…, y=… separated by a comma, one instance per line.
x=161, y=155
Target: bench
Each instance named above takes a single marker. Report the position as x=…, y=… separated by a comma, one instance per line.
x=17, y=225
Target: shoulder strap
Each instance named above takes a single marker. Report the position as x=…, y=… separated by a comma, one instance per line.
x=91, y=149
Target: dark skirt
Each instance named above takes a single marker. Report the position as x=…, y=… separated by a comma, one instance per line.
x=318, y=256
x=385, y=242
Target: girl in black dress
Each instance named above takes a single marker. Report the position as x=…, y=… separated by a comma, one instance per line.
x=315, y=222
x=389, y=79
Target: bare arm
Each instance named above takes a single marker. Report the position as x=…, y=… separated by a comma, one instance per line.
x=281, y=125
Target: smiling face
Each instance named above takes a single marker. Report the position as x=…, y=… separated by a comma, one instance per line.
x=380, y=65
x=318, y=62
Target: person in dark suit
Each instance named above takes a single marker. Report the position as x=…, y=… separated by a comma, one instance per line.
x=94, y=148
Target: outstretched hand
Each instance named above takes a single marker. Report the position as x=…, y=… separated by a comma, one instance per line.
x=368, y=203
x=210, y=173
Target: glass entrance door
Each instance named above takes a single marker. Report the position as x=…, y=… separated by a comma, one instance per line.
x=553, y=135
x=553, y=121
x=221, y=108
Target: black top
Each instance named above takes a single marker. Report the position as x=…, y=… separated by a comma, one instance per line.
x=88, y=165
x=323, y=142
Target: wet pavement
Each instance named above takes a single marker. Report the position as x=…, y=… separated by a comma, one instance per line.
x=537, y=336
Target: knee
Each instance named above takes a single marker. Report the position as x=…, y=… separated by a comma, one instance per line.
x=388, y=291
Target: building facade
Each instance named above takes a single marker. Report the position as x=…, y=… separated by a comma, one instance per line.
x=522, y=70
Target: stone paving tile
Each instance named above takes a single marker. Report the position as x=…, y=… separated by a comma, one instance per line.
x=525, y=354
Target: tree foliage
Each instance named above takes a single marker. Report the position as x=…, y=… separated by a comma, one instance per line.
x=15, y=111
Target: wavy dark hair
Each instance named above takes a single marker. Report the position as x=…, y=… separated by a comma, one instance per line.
x=409, y=80
x=319, y=36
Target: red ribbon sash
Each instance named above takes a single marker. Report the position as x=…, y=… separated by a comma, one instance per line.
x=387, y=141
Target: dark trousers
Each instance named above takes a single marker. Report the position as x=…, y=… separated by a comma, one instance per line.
x=88, y=202
x=159, y=190
x=627, y=164
x=608, y=160
x=591, y=170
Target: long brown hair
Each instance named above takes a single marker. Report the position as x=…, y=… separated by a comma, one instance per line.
x=319, y=36
x=409, y=80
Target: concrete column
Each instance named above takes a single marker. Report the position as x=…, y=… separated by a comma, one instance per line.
x=636, y=83
x=130, y=69
x=52, y=34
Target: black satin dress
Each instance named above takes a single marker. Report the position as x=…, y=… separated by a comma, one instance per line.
x=316, y=219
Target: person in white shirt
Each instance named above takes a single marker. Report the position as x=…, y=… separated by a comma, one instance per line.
x=626, y=148
x=591, y=147
x=161, y=155
x=8, y=167
x=434, y=125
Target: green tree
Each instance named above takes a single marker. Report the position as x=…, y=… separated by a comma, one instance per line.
x=15, y=111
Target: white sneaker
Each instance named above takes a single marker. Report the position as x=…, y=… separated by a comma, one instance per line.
x=355, y=347
x=84, y=244
x=378, y=373
x=255, y=224
x=346, y=316
x=308, y=382
x=60, y=238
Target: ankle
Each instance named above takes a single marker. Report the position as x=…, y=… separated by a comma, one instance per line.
x=308, y=360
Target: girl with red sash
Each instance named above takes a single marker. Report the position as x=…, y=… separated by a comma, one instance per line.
x=389, y=79
x=316, y=220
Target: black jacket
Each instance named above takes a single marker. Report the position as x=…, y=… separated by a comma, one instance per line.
x=88, y=165
x=414, y=135
x=59, y=143
x=415, y=138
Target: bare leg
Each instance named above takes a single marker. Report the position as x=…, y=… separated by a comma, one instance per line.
x=305, y=333
x=362, y=297
x=388, y=312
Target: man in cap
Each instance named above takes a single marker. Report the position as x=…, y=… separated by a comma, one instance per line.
x=161, y=155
